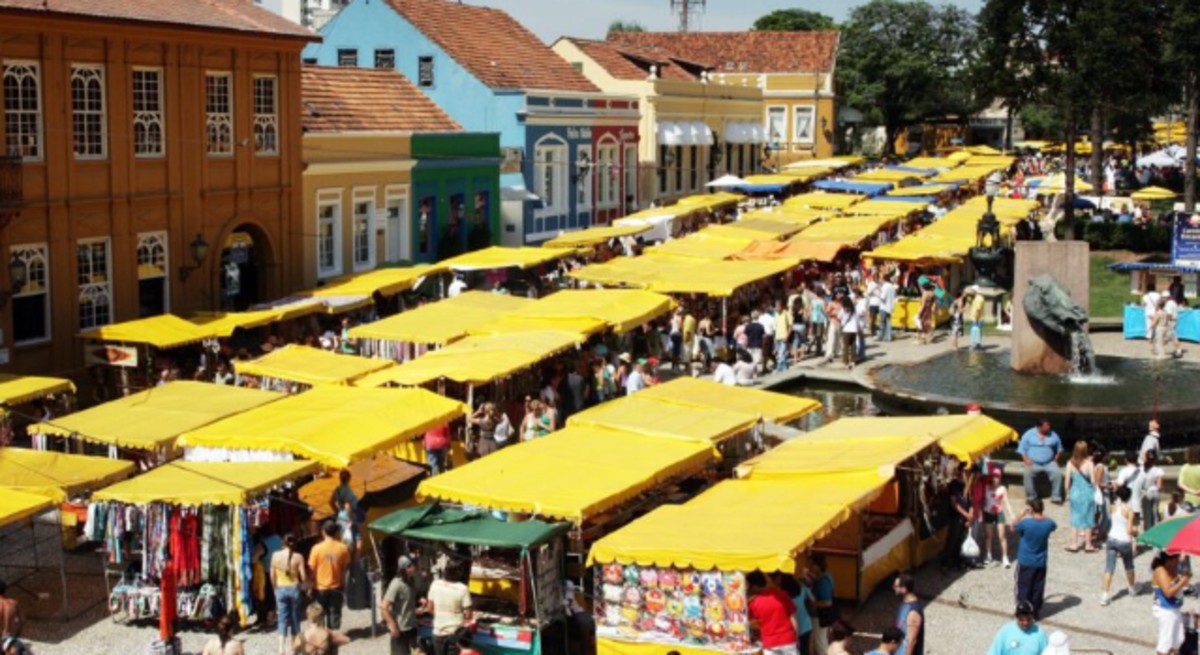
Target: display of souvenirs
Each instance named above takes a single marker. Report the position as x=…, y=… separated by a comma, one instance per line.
x=706, y=609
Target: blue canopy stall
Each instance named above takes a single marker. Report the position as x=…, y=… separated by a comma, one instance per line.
x=870, y=189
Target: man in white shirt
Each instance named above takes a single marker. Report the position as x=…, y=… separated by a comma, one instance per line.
x=456, y=287
x=861, y=316
x=1150, y=307
x=1170, y=323
x=724, y=374
x=887, y=305
x=1152, y=441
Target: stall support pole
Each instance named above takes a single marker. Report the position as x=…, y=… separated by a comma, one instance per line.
x=62, y=562
x=471, y=396
x=379, y=564
x=725, y=316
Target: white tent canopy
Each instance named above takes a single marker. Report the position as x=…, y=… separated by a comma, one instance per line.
x=726, y=181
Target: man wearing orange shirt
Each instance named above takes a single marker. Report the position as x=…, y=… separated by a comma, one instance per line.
x=328, y=561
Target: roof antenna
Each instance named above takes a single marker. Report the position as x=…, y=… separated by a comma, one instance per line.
x=686, y=8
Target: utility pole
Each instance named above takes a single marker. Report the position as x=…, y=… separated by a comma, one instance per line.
x=685, y=9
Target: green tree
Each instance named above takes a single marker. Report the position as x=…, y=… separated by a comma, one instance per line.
x=625, y=26
x=901, y=62
x=793, y=20
x=1183, y=58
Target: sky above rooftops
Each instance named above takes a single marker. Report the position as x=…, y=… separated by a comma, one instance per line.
x=550, y=19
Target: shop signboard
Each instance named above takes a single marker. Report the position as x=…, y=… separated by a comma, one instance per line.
x=1185, y=241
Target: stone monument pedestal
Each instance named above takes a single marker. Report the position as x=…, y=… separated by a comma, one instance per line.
x=1033, y=351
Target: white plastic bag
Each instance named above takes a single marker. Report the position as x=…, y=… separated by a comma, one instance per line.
x=970, y=549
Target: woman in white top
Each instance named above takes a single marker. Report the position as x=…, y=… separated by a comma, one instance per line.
x=1151, y=485
x=1120, y=543
x=744, y=369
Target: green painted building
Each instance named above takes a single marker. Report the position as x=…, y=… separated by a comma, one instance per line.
x=456, y=194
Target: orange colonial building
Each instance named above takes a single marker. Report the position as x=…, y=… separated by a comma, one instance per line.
x=135, y=133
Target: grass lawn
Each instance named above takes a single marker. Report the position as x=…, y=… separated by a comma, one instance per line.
x=1109, y=289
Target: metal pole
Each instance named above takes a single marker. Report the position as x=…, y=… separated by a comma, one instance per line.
x=62, y=564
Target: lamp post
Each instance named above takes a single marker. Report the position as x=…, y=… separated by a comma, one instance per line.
x=198, y=249
x=18, y=275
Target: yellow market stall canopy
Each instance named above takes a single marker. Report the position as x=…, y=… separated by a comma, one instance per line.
x=165, y=331
x=20, y=389
x=699, y=246
x=755, y=525
x=571, y=475
x=154, y=418
x=681, y=275
x=753, y=228
x=223, y=324
x=442, y=322
x=818, y=454
x=201, y=483
x=621, y=309
x=766, y=405
x=594, y=236
x=967, y=437
x=500, y=257
x=823, y=200
x=58, y=475
x=311, y=366
x=332, y=425
x=16, y=505
x=478, y=360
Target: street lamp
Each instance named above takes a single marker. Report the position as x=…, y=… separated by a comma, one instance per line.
x=198, y=248
x=18, y=273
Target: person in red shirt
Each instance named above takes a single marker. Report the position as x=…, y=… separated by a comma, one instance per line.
x=437, y=448
x=774, y=614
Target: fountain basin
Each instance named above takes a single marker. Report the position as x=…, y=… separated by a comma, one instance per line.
x=1112, y=408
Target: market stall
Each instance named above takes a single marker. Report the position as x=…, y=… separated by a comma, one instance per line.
x=515, y=572
x=410, y=334
x=192, y=521
x=594, y=236
x=698, y=245
x=1148, y=276
x=296, y=368
x=661, y=223
x=130, y=354
x=663, y=585
x=379, y=482
x=332, y=425
x=621, y=310
x=519, y=270
x=768, y=406
x=144, y=426
x=18, y=392
x=824, y=200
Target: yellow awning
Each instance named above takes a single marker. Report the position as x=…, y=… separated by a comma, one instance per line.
x=1057, y=183
x=478, y=360
x=770, y=180
x=750, y=525
x=885, y=207
x=697, y=392
x=970, y=437
x=807, y=174
x=983, y=150
x=593, y=236
x=966, y=173
x=817, y=454
x=621, y=309
x=573, y=474
x=442, y=322
x=202, y=483
x=1154, y=193
x=887, y=175
x=932, y=162
x=332, y=425
x=16, y=505
x=20, y=389
x=923, y=190
x=850, y=231
x=165, y=331
x=58, y=475
x=802, y=216
x=156, y=417
x=223, y=324
x=377, y=473
x=652, y=417
x=312, y=366
x=499, y=257
x=823, y=200
x=796, y=250
x=707, y=201
x=681, y=275
x=580, y=325
x=700, y=246
x=384, y=281
x=754, y=228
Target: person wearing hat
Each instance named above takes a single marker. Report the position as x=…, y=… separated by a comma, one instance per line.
x=1169, y=580
x=11, y=617
x=637, y=378
x=1023, y=636
x=456, y=287
x=889, y=643
x=400, y=608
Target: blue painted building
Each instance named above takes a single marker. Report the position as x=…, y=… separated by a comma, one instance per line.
x=490, y=74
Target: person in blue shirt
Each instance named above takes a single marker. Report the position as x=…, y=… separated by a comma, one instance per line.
x=1021, y=637
x=1033, y=529
x=802, y=596
x=889, y=643
x=1040, y=449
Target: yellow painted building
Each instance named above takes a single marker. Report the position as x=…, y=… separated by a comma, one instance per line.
x=794, y=70
x=693, y=129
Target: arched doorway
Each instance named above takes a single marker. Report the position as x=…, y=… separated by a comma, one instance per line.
x=245, y=256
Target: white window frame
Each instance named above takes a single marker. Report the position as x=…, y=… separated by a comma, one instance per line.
x=148, y=119
x=347, y=51
x=800, y=137
x=583, y=180
x=330, y=198
x=151, y=241
x=367, y=196
x=631, y=174
x=784, y=135
x=397, y=196
x=556, y=169
x=20, y=70
x=33, y=254
x=266, y=123
x=216, y=121
x=94, y=146
x=421, y=80
x=92, y=288
x=608, y=171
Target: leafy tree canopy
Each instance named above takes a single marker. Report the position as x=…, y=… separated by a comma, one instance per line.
x=625, y=26
x=794, y=20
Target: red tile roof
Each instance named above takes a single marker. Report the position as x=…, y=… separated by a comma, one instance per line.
x=366, y=100
x=492, y=46
x=633, y=63
x=233, y=15
x=749, y=52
